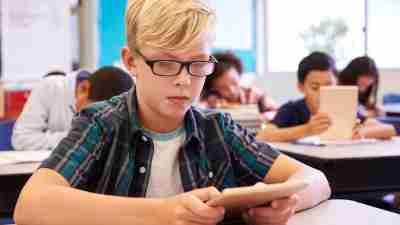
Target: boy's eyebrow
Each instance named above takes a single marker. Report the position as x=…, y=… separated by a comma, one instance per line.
x=315, y=83
x=200, y=56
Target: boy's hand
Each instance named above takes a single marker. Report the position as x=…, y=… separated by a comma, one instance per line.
x=318, y=123
x=278, y=213
x=190, y=208
x=358, y=131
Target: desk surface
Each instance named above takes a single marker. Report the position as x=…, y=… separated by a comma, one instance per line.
x=344, y=212
x=379, y=149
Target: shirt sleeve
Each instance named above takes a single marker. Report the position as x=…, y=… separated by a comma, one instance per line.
x=283, y=117
x=31, y=129
x=251, y=159
x=75, y=155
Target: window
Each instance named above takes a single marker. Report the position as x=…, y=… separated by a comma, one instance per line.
x=383, y=32
x=296, y=28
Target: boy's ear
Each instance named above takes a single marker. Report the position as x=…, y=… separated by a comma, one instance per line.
x=128, y=60
x=300, y=87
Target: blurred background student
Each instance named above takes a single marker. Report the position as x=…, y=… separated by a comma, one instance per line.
x=226, y=81
x=47, y=115
x=363, y=72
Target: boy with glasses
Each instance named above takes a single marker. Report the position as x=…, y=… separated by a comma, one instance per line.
x=149, y=156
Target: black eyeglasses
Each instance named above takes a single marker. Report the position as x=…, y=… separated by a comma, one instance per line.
x=170, y=68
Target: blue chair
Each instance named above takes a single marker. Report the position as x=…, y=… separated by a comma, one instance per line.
x=6, y=128
x=391, y=98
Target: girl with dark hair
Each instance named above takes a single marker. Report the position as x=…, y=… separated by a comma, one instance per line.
x=363, y=72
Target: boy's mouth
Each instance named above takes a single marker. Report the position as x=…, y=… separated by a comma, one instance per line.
x=178, y=99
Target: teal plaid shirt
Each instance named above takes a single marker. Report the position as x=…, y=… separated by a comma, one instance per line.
x=108, y=152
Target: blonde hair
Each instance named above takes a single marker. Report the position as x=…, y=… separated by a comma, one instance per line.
x=167, y=24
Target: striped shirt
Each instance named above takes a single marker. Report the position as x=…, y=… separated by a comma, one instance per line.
x=107, y=151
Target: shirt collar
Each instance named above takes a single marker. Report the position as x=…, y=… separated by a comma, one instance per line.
x=190, y=124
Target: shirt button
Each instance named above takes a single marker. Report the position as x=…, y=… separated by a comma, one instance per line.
x=142, y=170
x=144, y=138
x=210, y=175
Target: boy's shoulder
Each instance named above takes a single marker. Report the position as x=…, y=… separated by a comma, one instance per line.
x=203, y=114
x=295, y=104
x=113, y=110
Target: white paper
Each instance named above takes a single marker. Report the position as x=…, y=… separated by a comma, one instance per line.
x=14, y=157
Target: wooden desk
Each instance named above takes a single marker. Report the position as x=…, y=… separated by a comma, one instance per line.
x=352, y=169
x=344, y=212
x=12, y=178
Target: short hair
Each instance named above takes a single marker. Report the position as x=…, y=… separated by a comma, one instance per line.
x=167, y=24
x=362, y=66
x=226, y=61
x=315, y=61
x=107, y=82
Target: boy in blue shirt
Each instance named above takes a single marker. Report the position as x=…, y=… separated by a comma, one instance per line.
x=149, y=156
x=301, y=118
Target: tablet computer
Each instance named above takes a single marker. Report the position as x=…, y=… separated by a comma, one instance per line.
x=341, y=104
x=256, y=195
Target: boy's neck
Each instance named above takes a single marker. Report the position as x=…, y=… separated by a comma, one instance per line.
x=157, y=123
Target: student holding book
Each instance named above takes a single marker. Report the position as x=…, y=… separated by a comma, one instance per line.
x=301, y=118
x=149, y=156
x=48, y=113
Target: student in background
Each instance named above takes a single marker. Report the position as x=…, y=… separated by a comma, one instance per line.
x=363, y=72
x=48, y=113
x=301, y=118
x=103, y=84
x=149, y=156
x=225, y=80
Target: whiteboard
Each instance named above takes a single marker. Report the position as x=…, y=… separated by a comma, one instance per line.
x=235, y=25
x=35, y=38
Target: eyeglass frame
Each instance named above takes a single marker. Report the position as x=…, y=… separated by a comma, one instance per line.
x=186, y=64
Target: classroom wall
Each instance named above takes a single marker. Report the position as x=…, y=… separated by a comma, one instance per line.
x=282, y=86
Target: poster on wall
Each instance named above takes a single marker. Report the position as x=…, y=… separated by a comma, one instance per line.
x=35, y=38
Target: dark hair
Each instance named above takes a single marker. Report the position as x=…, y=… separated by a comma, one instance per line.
x=362, y=66
x=315, y=61
x=107, y=82
x=226, y=61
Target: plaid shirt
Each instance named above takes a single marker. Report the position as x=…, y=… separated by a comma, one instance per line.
x=108, y=152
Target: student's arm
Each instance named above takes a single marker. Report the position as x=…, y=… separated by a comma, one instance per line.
x=286, y=168
x=31, y=129
x=316, y=125
x=273, y=133
x=255, y=161
x=280, y=211
x=374, y=129
x=48, y=199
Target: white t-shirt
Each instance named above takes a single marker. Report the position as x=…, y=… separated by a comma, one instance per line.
x=165, y=178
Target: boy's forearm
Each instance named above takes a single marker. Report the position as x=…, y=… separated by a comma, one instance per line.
x=317, y=191
x=283, y=134
x=59, y=205
x=381, y=131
